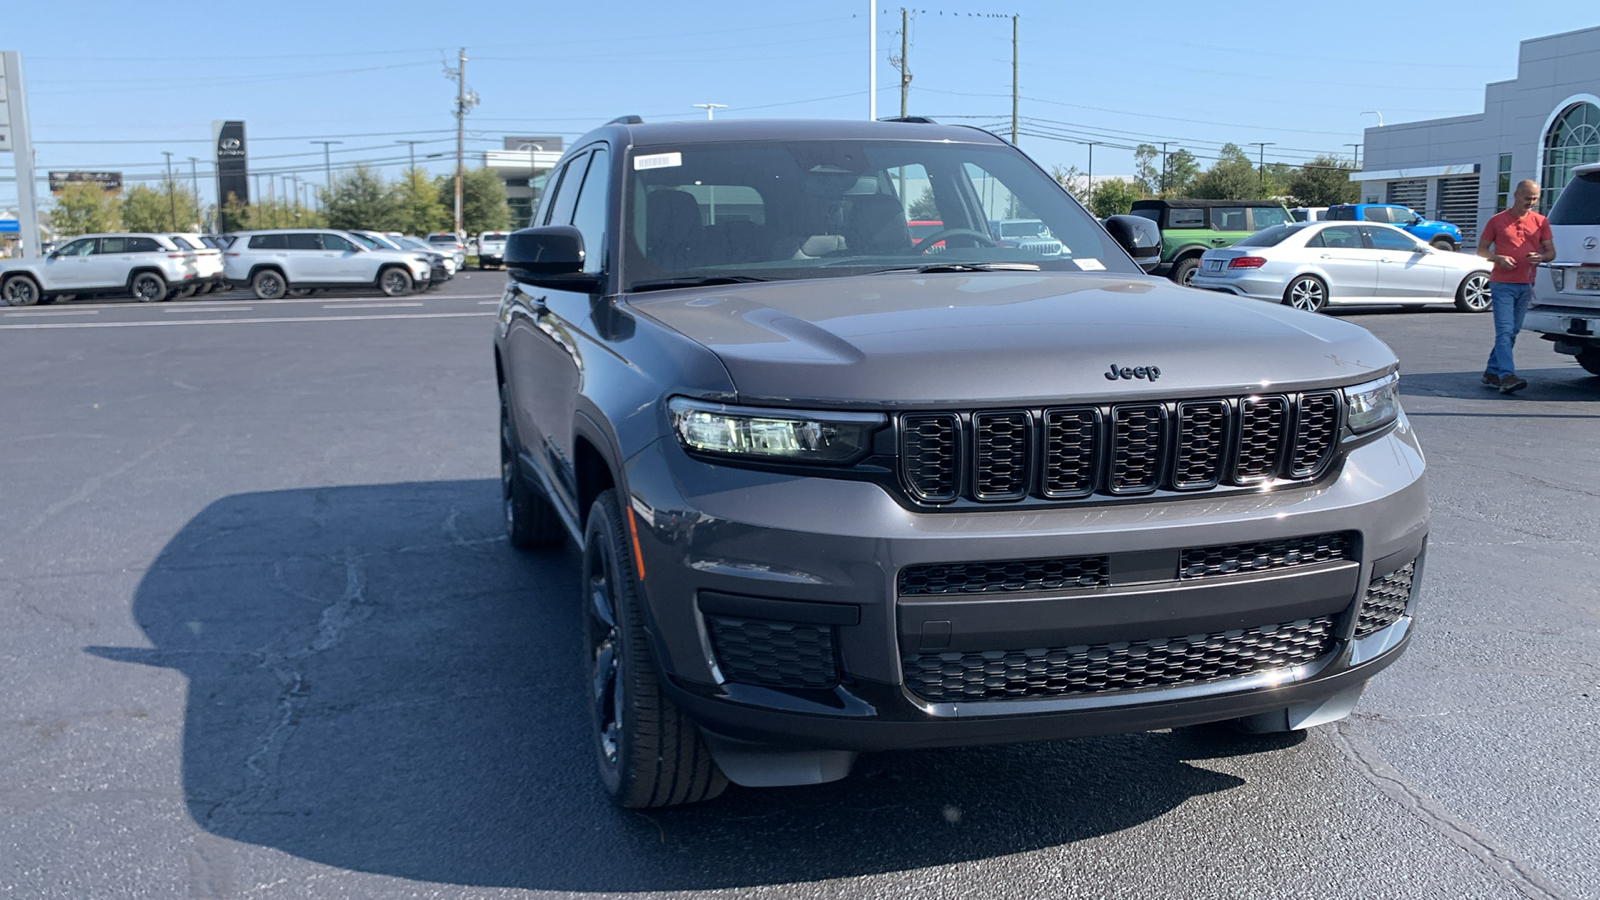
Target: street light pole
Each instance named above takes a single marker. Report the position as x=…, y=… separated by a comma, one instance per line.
x=710, y=108
x=1357, y=151
x=194, y=179
x=327, y=163
x=1261, y=165
x=172, y=200
x=1091, y=173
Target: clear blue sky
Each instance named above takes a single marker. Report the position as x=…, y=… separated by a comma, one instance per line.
x=113, y=85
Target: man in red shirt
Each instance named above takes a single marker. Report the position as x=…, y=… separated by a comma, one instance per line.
x=1520, y=239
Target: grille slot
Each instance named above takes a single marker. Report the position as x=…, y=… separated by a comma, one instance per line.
x=1202, y=432
x=1121, y=666
x=1385, y=600
x=774, y=654
x=1264, y=556
x=1004, y=577
x=928, y=456
x=1316, y=432
x=1001, y=445
x=1136, y=448
x=1261, y=430
x=1069, y=452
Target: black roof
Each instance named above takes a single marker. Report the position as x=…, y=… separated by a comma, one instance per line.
x=1201, y=204
x=700, y=131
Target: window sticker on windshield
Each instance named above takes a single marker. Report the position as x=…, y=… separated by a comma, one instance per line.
x=657, y=161
x=1090, y=265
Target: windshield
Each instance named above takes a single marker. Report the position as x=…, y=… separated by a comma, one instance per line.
x=811, y=209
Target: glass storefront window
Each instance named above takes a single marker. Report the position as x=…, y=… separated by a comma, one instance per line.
x=1573, y=139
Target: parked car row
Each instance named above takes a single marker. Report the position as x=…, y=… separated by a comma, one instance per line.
x=147, y=267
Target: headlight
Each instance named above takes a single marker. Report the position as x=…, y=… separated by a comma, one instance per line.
x=1374, y=404
x=775, y=434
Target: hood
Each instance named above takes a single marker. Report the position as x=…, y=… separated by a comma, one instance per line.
x=1006, y=337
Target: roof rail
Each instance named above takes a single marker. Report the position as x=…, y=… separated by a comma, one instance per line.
x=626, y=120
x=913, y=120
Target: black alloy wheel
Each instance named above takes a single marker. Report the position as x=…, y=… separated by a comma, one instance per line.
x=394, y=282
x=148, y=287
x=269, y=284
x=20, y=290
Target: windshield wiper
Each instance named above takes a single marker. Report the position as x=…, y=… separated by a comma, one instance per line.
x=693, y=281
x=963, y=267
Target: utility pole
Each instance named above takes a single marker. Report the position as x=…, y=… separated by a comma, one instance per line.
x=872, y=61
x=1261, y=165
x=327, y=162
x=710, y=108
x=902, y=62
x=412, y=146
x=194, y=179
x=296, y=196
x=465, y=101
x=1091, y=144
x=172, y=198
x=1014, y=80
x=1357, y=157
x=1164, y=167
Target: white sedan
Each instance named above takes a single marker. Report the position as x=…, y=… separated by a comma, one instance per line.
x=1309, y=265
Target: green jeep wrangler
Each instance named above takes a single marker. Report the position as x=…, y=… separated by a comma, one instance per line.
x=1191, y=227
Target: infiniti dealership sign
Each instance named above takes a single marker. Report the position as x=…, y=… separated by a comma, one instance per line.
x=233, y=169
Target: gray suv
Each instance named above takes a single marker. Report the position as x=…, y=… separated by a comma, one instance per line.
x=837, y=491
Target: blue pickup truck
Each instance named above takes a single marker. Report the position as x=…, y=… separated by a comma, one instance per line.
x=1440, y=234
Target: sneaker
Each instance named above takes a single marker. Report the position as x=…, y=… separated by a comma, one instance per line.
x=1510, y=383
x=1491, y=379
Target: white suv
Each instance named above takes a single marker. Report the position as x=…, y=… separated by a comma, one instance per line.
x=1566, y=293
x=206, y=262
x=146, y=266
x=273, y=263
x=450, y=244
x=491, y=249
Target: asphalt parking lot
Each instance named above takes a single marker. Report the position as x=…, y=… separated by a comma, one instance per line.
x=262, y=636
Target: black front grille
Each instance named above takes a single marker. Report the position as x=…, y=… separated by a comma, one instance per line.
x=1004, y=577
x=1121, y=666
x=1385, y=600
x=774, y=654
x=1071, y=453
x=1264, y=556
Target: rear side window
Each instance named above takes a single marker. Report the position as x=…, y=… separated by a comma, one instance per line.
x=1268, y=237
x=145, y=245
x=301, y=240
x=1388, y=239
x=1186, y=218
x=1338, y=237
x=1229, y=218
x=269, y=242
x=1579, y=203
x=1342, y=214
x=1375, y=214
x=113, y=245
x=1266, y=217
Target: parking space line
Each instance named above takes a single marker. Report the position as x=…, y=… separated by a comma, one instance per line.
x=488, y=302
x=56, y=312
x=204, y=309
x=367, y=305
x=254, y=321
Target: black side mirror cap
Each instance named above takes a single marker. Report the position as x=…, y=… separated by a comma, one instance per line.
x=549, y=256
x=1139, y=236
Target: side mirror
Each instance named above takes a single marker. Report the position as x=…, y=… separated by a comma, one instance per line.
x=53, y=254
x=551, y=256
x=1139, y=236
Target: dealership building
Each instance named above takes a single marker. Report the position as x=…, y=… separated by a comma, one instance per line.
x=1537, y=125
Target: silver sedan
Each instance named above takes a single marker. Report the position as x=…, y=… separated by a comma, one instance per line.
x=1309, y=265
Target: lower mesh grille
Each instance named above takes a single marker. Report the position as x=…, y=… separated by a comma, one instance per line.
x=1385, y=601
x=1121, y=666
x=774, y=654
x=1007, y=576
x=1264, y=556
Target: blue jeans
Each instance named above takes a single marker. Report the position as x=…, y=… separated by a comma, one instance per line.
x=1510, y=306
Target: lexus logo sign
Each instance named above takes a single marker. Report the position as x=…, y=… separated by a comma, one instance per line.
x=1588, y=243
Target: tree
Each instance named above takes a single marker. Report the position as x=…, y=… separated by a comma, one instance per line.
x=360, y=199
x=270, y=214
x=1115, y=197
x=1147, y=169
x=483, y=201
x=84, y=207
x=1074, y=181
x=1232, y=177
x=1325, y=181
x=418, y=208
x=171, y=207
x=924, y=207
x=1182, y=169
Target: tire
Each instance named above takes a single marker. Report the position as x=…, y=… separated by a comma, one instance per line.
x=188, y=290
x=20, y=290
x=148, y=287
x=650, y=754
x=269, y=284
x=1183, y=271
x=1473, y=293
x=394, y=282
x=1589, y=358
x=1307, y=292
x=530, y=519
x=1444, y=243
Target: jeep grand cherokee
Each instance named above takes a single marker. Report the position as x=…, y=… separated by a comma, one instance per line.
x=836, y=492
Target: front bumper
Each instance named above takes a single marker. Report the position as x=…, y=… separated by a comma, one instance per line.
x=778, y=560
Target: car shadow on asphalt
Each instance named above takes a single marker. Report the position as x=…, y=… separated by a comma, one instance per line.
x=1558, y=384
x=378, y=682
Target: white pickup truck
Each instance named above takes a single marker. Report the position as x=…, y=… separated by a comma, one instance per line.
x=491, y=249
x=1566, y=294
x=145, y=266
